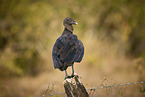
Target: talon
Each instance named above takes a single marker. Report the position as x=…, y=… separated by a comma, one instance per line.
x=72, y=75
x=68, y=77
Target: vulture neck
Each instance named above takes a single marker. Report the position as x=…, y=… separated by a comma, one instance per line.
x=69, y=27
x=68, y=30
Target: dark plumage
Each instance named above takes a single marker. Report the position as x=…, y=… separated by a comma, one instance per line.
x=67, y=48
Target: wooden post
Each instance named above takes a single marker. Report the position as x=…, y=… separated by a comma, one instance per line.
x=74, y=87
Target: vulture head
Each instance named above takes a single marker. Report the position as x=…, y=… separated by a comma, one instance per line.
x=68, y=22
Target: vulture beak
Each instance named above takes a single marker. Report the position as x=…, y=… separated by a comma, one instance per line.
x=75, y=23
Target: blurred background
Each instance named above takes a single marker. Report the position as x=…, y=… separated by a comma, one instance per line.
x=112, y=32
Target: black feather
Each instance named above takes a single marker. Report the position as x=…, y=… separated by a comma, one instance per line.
x=67, y=50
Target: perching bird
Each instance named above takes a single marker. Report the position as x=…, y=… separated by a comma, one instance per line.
x=67, y=48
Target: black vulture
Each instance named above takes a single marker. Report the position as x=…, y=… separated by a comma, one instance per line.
x=67, y=48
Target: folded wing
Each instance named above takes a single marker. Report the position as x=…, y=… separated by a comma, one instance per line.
x=67, y=49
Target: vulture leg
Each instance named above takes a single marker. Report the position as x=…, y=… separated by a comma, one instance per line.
x=66, y=74
x=72, y=71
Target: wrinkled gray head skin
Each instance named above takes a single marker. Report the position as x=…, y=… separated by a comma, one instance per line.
x=68, y=23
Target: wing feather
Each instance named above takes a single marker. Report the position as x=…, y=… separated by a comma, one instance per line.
x=67, y=49
x=79, y=52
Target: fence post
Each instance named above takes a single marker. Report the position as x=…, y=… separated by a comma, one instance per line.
x=74, y=87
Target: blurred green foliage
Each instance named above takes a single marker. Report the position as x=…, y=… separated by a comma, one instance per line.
x=29, y=28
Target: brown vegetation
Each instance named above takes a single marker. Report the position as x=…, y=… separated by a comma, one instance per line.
x=112, y=32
